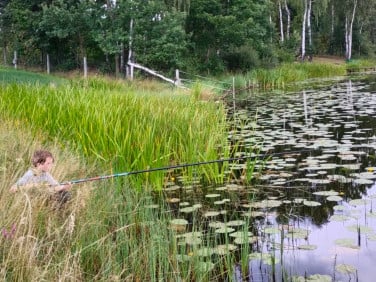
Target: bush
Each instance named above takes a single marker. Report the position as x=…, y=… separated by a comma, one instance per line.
x=242, y=58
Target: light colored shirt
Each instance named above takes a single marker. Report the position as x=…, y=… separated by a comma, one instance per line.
x=33, y=176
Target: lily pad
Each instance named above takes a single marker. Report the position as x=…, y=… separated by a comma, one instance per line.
x=235, y=223
x=225, y=249
x=217, y=224
x=254, y=214
x=319, y=278
x=339, y=218
x=359, y=202
x=212, y=195
x=179, y=221
x=203, y=266
x=245, y=240
x=345, y=268
x=326, y=193
x=334, y=198
x=211, y=214
x=271, y=230
x=224, y=230
x=363, y=181
x=311, y=203
x=362, y=229
x=307, y=247
x=339, y=208
x=204, y=252
x=346, y=242
x=183, y=258
x=188, y=209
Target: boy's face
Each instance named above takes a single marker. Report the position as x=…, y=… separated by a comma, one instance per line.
x=46, y=167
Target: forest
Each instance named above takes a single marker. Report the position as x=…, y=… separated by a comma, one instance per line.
x=208, y=37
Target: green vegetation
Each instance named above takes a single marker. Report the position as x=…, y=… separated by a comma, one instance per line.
x=109, y=232
x=121, y=128
x=203, y=36
x=360, y=64
x=112, y=230
x=286, y=75
x=10, y=75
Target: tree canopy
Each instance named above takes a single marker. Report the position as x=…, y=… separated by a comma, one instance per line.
x=206, y=36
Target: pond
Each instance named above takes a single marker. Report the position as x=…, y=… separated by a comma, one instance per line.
x=307, y=211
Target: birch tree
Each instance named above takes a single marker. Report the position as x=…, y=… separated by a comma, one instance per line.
x=280, y=21
x=304, y=23
x=288, y=15
x=349, y=22
x=309, y=26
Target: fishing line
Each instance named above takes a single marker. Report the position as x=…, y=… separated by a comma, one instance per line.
x=103, y=177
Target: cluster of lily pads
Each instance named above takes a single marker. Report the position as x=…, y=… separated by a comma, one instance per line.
x=316, y=150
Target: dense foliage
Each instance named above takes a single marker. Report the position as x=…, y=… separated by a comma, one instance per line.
x=207, y=36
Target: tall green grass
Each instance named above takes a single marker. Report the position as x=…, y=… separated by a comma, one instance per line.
x=121, y=128
x=108, y=232
x=11, y=75
x=360, y=63
x=286, y=75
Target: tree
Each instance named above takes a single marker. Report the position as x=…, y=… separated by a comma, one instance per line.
x=349, y=23
x=68, y=21
x=226, y=32
x=19, y=19
x=4, y=29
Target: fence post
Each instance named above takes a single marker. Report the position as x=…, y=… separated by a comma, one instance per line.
x=131, y=69
x=85, y=67
x=15, y=59
x=233, y=94
x=177, y=77
x=48, y=63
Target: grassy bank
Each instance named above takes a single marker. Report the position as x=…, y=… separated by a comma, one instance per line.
x=286, y=75
x=113, y=230
x=11, y=75
x=121, y=127
x=108, y=232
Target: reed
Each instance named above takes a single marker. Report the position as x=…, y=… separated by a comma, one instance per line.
x=286, y=74
x=113, y=230
x=109, y=231
x=11, y=75
x=120, y=128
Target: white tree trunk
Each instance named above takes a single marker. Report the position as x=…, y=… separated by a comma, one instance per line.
x=129, y=72
x=346, y=38
x=303, y=47
x=15, y=59
x=281, y=21
x=309, y=24
x=349, y=31
x=48, y=63
x=288, y=20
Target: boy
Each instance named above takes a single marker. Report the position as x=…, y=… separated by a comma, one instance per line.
x=39, y=175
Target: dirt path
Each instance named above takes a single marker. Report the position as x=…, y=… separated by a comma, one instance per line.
x=329, y=59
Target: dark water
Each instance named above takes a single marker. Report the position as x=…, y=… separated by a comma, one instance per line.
x=311, y=201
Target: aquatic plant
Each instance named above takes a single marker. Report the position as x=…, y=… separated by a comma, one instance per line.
x=123, y=129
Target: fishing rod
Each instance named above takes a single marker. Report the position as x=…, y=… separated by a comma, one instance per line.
x=115, y=175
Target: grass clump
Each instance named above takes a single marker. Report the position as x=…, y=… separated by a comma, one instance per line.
x=10, y=75
x=121, y=127
x=286, y=74
x=360, y=63
x=108, y=232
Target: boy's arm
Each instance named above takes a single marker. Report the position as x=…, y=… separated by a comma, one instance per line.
x=58, y=188
x=22, y=182
x=15, y=187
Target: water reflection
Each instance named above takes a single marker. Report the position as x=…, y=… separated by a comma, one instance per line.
x=322, y=164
